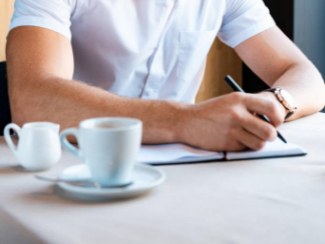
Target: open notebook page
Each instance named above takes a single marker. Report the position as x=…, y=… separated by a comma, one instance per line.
x=276, y=148
x=175, y=153
x=179, y=153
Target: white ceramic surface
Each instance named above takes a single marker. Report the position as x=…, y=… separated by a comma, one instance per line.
x=144, y=179
x=109, y=146
x=38, y=146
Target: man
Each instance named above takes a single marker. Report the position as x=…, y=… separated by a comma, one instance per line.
x=73, y=59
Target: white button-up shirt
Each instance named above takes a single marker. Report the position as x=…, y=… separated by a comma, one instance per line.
x=152, y=49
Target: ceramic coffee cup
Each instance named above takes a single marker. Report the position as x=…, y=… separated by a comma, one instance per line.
x=38, y=146
x=109, y=146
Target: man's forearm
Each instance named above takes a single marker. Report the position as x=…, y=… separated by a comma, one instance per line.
x=306, y=84
x=278, y=62
x=67, y=102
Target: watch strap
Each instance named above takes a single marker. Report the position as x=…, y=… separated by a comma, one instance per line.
x=277, y=91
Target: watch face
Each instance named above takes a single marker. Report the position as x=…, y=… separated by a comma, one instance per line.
x=288, y=100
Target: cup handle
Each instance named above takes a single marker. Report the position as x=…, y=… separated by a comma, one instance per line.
x=15, y=128
x=70, y=147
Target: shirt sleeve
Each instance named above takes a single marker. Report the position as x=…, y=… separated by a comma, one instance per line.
x=51, y=14
x=244, y=19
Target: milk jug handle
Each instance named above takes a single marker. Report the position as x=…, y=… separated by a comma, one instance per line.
x=8, y=138
x=65, y=143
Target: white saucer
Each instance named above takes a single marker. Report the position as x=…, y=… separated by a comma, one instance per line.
x=145, y=178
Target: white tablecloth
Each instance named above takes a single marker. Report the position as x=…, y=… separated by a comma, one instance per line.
x=272, y=201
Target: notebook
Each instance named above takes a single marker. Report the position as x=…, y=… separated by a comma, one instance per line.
x=179, y=153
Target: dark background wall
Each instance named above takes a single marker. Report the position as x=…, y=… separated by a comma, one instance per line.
x=309, y=30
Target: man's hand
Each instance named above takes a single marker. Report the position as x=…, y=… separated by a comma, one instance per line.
x=229, y=123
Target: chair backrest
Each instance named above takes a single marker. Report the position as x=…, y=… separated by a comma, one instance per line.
x=5, y=115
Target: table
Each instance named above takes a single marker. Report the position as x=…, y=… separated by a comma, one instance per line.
x=265, y=201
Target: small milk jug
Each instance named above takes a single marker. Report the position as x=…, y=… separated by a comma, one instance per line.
x=38, y=146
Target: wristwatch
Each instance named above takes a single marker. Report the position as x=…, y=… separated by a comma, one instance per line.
x=285, y=98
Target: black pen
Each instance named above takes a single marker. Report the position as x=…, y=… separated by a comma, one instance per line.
x=233, y=84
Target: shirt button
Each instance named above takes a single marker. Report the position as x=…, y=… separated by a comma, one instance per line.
x=150, y=93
